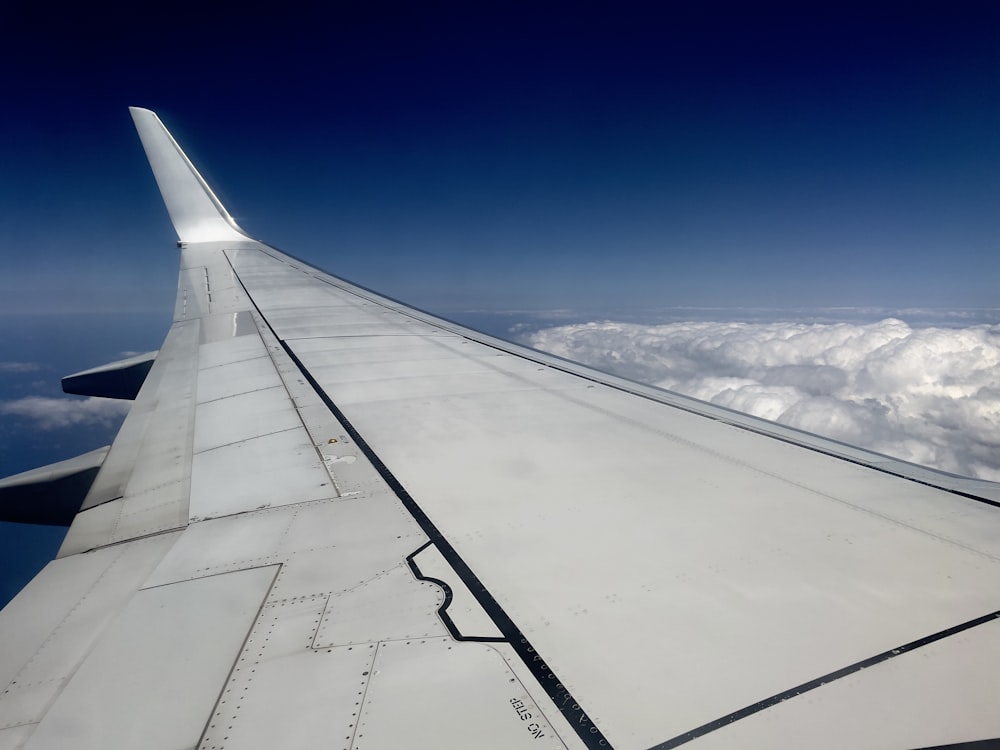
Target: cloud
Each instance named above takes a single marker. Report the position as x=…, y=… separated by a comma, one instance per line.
x=928, y=395
x=56, y=413
x=20, y=367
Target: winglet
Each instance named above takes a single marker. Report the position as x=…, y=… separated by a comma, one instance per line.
x=195, y=211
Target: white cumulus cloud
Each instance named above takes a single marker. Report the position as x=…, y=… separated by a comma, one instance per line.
x=18, y=367
x=55, y=413
x=928, y=395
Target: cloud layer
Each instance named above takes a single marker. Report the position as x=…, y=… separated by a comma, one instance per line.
x=55, y=413
x=927, y=395
x=19, y=367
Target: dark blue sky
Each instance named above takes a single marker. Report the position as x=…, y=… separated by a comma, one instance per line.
x=605, y=158
x=544, y=155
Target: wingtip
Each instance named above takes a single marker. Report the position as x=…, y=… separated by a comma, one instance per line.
x=196, y=212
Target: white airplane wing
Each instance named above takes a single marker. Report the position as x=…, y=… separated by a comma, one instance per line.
x=332, y=520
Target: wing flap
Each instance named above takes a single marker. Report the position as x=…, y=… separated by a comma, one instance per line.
x=147, y=471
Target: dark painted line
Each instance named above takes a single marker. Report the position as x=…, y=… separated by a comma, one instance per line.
x=588, y=732
x=973, y=745
x=820, y=681
x=448, y=598
x=977, y=498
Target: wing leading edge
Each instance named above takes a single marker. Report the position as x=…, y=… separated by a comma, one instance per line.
x=329, y=512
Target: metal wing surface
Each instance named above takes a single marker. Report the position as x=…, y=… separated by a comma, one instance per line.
x=331, y=520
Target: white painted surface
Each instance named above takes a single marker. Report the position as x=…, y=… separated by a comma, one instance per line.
x=196, y=213
x=271, y=470
x=14, y=738
x=344, y=543
x=92, y=528
x=159, y=649
x=592, y=523
x=149, y=464
x=233, y=378
x=69, y=606
x=391, y=606
x=234, y=419
x=324, y=547
x=229, y=351
x=222, y=545
x=166, y=394
x=296, y=697
x=433, y=693
x=942, y=694
x=563, y=725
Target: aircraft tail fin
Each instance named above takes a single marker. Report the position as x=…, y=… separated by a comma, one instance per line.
x=196, y=213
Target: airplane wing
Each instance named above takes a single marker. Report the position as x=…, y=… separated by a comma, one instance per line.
x=332, y=520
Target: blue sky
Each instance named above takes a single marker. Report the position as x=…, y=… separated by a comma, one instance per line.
x=582, y=155
x=593, y=158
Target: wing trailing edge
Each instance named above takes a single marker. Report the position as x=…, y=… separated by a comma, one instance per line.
x=196, y=212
